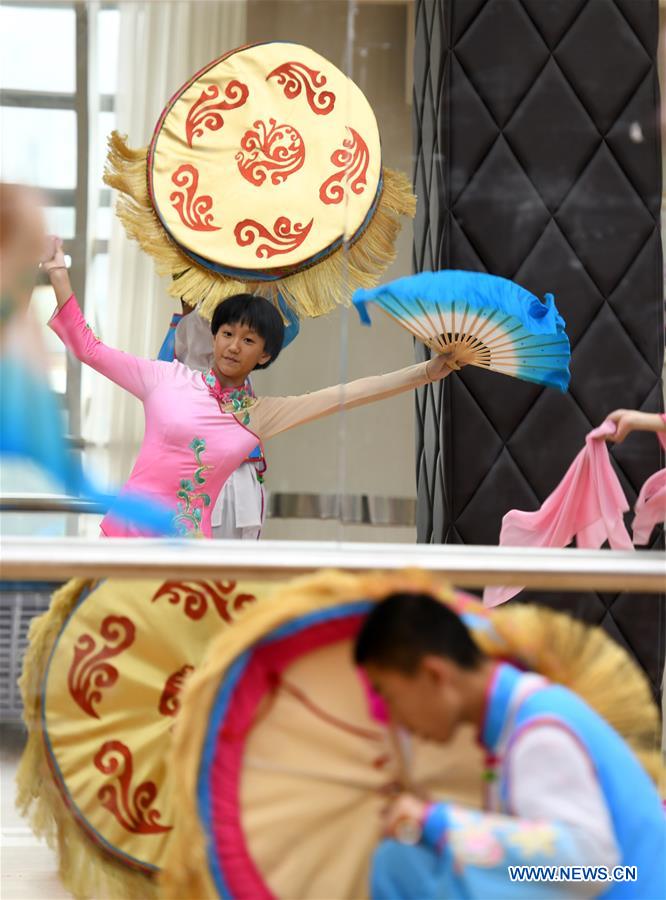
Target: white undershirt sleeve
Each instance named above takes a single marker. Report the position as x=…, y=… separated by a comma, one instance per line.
x=552, y=778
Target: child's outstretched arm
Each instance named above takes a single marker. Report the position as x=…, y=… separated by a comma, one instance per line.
x=628, y=420
x=272, y=415
x=136, y=375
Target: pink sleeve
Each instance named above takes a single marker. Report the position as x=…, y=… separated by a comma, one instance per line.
x=136, y=375
x=662, y=434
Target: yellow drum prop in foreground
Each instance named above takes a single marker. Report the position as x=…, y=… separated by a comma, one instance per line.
x=210, y=728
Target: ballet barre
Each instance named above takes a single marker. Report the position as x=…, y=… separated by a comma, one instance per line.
x=57, y=559
x=351, y=509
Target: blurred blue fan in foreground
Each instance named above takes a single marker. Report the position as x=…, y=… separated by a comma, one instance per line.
x=31, y=429
x=480, y=320
x=31, y=422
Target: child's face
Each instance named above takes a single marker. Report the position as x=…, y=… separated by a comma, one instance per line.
x=237, y=350
x=426, y=702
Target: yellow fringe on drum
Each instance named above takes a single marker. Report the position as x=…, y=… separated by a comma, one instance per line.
x=312, y=292
x=589, y=662
x=568, y=652
x=84, y=868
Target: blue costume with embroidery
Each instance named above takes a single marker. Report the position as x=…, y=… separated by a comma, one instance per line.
x=466, y=854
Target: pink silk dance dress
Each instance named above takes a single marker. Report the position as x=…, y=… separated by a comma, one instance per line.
x=196, y=433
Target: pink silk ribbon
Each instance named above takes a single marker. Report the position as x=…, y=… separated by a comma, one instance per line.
x=650, y=507
x=588, y=504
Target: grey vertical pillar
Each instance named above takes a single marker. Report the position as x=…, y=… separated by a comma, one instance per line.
x=537, y=158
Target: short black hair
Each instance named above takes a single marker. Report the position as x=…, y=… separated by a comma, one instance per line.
x=405, y=627
x=256, y=313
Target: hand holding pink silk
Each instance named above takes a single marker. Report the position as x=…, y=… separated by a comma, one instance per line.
x=588, y=504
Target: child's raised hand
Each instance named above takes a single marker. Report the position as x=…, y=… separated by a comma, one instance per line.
x=53, y=262
x=628, y=420
x=53, y=256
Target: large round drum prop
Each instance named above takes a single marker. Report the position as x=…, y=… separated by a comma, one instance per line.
x=290, y=765
x=265, y=162
x=264, y=174
x=110, y=698
x=285, y=763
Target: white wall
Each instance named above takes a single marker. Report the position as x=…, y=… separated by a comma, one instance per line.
x=369, y=450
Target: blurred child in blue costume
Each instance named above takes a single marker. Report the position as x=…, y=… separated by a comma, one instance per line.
x=240, y=508
x=563, y=788
x=31, y=424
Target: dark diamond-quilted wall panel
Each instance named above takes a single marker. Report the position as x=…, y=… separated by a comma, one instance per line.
x=537, y=157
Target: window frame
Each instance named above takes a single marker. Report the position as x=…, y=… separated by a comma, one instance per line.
x=78, y=247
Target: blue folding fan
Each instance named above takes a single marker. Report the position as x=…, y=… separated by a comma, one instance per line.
x=479, y=320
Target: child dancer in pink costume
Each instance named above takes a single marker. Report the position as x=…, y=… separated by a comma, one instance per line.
x=201, y=427
x=240, y=508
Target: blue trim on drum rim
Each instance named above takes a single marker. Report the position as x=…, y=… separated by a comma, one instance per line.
x=221, y=705
x=81, y=820
x=218, y=713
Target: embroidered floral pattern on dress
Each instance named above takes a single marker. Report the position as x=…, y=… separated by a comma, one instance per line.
x=192, y=500
x=239, y=401
x=212, y=383
x=234, y=399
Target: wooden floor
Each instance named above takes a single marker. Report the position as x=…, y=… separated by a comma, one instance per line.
x=27, y=866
